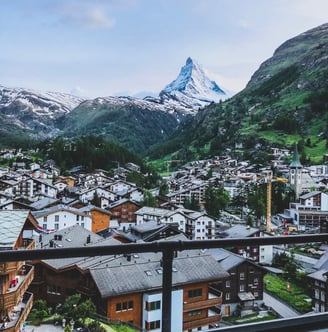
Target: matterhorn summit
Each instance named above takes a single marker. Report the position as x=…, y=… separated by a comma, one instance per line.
x=193, y=87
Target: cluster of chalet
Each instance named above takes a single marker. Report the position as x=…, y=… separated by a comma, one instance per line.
x=87, y=209
x=309, y=185
x=99, y=202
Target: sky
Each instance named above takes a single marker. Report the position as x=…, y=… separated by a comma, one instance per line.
x=94, y=48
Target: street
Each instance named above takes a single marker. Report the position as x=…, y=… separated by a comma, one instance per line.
x=281, y=308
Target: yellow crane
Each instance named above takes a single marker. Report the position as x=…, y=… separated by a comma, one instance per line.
x=268, y=180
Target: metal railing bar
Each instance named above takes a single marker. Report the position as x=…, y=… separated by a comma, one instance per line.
x=167, y=249
x=52, y=253
x=305, y=323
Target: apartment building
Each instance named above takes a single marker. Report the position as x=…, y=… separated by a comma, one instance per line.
x=16, y=229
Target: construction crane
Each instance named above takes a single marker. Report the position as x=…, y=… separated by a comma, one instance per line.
x=268, y=180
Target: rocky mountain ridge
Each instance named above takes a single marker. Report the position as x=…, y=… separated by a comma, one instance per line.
x=48, y=114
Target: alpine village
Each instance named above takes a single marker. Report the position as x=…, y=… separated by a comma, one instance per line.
x=174, y=171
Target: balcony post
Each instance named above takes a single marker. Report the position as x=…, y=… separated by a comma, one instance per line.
x=167, y=289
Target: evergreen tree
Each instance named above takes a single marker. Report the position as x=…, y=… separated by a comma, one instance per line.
x=163, y=189
x=216, y=199
x=149, y=199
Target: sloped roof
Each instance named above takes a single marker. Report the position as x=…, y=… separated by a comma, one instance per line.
x=319, y=275
x=239, y=231
x=11, y=225
x=138, y=277
x=322, y=263
x=227, y=259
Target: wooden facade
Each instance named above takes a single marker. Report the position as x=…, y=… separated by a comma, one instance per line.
x=127, y=308
x=125, y=212
x=15, y=277
x=245, y=278
x=100, y=219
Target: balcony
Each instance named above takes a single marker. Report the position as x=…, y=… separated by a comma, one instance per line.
x=202, y=304
x=19, y=314
x=201, y=322
x=15, y=292
x=306, y=323
x=6, y=268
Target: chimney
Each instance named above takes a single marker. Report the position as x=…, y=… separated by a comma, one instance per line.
x=89, y=238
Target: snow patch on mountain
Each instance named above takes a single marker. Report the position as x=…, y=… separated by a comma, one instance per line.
x=49, y=102
x=193, y=87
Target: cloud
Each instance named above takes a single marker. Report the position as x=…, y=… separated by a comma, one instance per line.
x=77, y=91
x=87, y=15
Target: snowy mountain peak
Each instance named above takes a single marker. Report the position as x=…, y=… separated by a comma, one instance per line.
x=192, y=86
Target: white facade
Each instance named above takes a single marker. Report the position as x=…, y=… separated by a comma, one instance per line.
x=62, y=218
x=152, y=311
x=161, y=215
x=88, y=195
x=266, y=254
x=203, y=228
x=136, y=195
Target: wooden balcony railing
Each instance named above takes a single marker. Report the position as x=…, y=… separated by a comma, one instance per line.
x=20, y=316
x=202, y=304
x=12, y=296
x=201, y=322
x=6, y=268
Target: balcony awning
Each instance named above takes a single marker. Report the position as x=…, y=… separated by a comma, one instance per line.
x=246, y=296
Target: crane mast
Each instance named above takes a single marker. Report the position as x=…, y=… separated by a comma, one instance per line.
x=268, y=216
x=268, y=180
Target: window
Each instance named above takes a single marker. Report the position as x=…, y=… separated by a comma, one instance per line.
x=154, y=305
x=256, y=294
x=256, y=281
x=124, y=306
x=227, y=296
x=56, y=227
x=53, y=289
x=322, y=296
x=44, y=226
x=194, y=293
x=77, y=218
x=316, y=294
x=156, y=324
x=242, y=288
x=194, y=313
x=57, y=217
x=227, y=283
x=45, y=219
x=242, y=276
